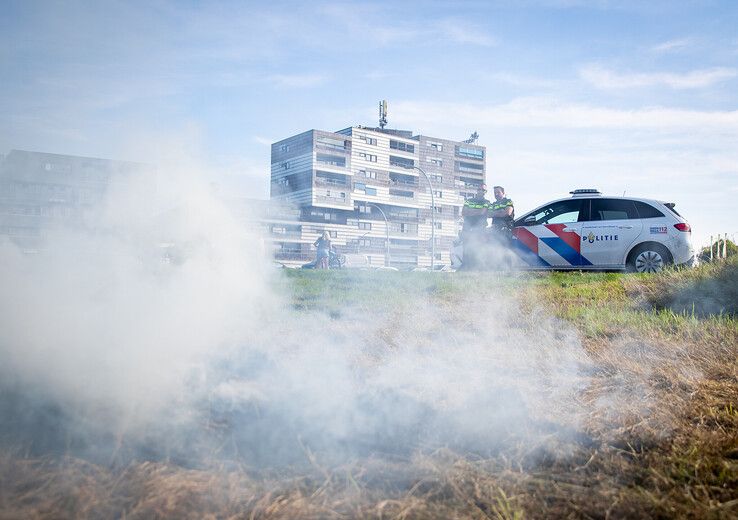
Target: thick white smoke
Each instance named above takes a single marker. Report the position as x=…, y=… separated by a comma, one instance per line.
x=116, y=313
x=162, y=322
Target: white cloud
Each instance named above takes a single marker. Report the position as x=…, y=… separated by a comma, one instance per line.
x=464, y=32
x=263, y=140
x=544, y=112
x=672, y=45
x=297, y=80
x=524, y=81
x=604, y=78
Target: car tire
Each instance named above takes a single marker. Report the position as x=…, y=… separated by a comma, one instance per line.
x=648, y=258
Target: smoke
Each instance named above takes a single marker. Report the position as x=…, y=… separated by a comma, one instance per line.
x=159, y=329
x=116, y=313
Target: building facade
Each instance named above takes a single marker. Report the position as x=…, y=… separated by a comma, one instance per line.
x=39, y=190
x=363, y=186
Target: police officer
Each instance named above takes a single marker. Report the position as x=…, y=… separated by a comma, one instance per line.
x=502, y=212
x=475, y=213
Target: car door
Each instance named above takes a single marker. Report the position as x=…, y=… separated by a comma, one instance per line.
x=611, y=229
x=550, y=236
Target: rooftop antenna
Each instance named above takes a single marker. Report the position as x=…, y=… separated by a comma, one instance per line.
x=382, y=114
x=472, y=138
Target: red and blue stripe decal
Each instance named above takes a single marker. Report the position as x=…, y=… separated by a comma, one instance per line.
x=526, y=246
x=566, y=244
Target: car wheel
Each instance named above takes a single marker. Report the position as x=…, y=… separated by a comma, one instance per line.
x=649, y=258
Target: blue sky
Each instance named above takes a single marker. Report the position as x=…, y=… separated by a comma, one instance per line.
x=635, y=97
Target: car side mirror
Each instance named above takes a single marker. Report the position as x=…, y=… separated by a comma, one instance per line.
x=529, y=220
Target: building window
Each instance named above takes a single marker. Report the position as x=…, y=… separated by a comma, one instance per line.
x=363, y=208
x=471, y=153
x=436, y=146
x=439, y=225
x=334, y=179
x=324, y=214
x=333, y=160
x=399, y=145
x=284, y=148
x=369, y=174
x=437, y=209
x=434, y=161
x=286, y=165
x=367, y=140
x=370, y=191
x=401, y=161
x=437, y=178
x=359, y=186
x=438, y=194
x=333, y=234
x=369, y=157
x=332, y=143
x=401, y=193
x=365, y=225
x=335, y=195
x=469, y=167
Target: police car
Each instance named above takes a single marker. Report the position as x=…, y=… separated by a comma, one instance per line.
x=592, y=231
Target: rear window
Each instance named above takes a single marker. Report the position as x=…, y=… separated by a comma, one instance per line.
x=671, y=205
x=613, y=209
x=646, y=210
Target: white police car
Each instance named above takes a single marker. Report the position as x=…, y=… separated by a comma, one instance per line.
x=592, y=231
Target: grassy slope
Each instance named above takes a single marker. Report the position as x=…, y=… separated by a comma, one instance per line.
x=678, y=457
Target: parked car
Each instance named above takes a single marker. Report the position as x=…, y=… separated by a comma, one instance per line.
x=591, y=231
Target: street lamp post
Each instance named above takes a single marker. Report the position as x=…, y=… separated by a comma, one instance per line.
x=386, y=230
x=433, y=214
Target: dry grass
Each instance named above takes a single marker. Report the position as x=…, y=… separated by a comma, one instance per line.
x=657, y=437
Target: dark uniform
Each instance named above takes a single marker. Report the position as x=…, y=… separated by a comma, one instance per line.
x=473, y=231
x=503, y=224
x=476, y=222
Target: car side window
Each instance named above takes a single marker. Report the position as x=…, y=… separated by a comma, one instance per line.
x=556, y=213
x=613, y=209
x=646, y=210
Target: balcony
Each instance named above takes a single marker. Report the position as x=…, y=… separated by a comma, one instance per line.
x=334, y=201
x=331, y=183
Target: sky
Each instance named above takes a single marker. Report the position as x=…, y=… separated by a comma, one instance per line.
x=629, y=97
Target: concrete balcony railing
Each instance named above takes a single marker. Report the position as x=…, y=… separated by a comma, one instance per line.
x=332, y=184
x=334, y=200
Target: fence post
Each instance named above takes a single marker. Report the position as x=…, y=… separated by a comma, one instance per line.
x=725, y=245
x=711, y=246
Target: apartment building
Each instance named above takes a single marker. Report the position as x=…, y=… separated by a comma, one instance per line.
x=39, y=190
x=378, y=192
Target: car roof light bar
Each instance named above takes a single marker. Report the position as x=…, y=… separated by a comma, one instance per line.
x=585, y=191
